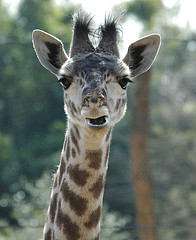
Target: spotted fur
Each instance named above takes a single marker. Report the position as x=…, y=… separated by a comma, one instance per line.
x=78, y=204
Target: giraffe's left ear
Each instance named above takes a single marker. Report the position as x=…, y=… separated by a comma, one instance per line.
x=142, y=53
x=49, y=50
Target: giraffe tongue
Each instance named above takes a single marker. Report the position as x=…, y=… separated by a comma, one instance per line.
x=98, y=121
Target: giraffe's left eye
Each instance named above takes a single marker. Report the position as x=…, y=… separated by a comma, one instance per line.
x=65, y=82
x=124, y=82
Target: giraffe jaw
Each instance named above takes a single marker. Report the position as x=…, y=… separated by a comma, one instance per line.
x=97, y=123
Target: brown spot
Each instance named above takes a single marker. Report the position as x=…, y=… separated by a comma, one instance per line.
x=94, y=218
x=95, y=158
x=62, y=169
x=77, y=175
x=73, y=113
x=74, y=140
x=97, y=187
x=117, y=104
x=77, y=203
x=73, y=107
x=58, y=216
x=68, y=150
x=69, y=228
x=48, y=235
x=108, y=135
x=73, y=152
x=107, y=154
x=53, y=206
x=77, y=132
x=123, y=102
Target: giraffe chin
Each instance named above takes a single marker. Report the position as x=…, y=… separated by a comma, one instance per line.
x=97, y=123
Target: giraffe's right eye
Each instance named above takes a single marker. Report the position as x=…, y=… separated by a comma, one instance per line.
x=65, y=82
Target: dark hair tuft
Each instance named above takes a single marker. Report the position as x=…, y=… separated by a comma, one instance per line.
x=82, y=23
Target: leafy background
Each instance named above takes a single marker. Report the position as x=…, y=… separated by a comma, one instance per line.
x=32, y=126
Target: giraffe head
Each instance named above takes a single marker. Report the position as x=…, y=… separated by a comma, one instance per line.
x=95, y=79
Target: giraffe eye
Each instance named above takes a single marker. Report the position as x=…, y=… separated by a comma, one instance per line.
x=65, y=82
x=124, y=82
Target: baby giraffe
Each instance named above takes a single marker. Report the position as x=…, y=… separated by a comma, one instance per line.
x=94, y=81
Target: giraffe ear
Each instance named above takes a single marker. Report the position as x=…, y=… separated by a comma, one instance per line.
x=49, y=50
x=142, y=53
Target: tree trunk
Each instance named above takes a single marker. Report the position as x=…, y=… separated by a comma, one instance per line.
x=140, y=160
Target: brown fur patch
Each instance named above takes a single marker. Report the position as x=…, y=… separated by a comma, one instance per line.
x=72, y=112
x=69, y=228
x=58, y=216
x=73, y=152
x=77, y=175
x=107, y=154
x=97, y=187
x=94, y=218
x=62, y=169
x=77, y=132
x=95, y=158
x=53, y=206
x=48, y=235
x=118, y=102
x=77, y=203
x=73, y=107
x=68, y=150
x=123, y=102
x=75, y=141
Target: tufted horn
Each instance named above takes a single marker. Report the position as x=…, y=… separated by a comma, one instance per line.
x=109, y=37
x=81, y=30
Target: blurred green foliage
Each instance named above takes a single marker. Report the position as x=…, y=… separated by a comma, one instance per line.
x=144, y=10
x=32, y=126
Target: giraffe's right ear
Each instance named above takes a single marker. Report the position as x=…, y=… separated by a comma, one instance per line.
x=49, y=50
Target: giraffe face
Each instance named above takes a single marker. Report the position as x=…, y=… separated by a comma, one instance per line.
x=95, y=90
x=94, y=79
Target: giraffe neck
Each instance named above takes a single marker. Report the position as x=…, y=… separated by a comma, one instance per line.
x=77, y=195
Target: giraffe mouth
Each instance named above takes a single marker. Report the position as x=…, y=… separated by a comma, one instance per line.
x=98, y=123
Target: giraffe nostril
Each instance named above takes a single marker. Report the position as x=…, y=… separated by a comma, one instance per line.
x=102, y=102
x=86, y=101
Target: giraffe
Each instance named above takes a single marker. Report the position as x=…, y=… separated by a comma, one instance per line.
x=94, y=81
